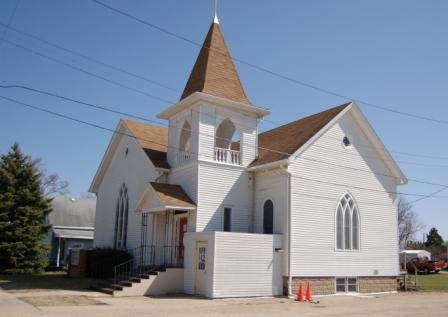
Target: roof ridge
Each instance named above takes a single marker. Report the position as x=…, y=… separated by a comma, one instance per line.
x=308, y=117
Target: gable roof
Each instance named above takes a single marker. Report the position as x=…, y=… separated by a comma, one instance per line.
x=70, y=212
x=160, y=197
x=214, y=72
x=153, y=140
x=172, y=195
x=283, y=141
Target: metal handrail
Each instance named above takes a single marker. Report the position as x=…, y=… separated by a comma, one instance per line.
x=147, y=258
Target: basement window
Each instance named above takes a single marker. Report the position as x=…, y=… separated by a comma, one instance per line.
x=346, y=284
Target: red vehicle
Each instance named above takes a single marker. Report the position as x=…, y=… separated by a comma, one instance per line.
x=424, y=265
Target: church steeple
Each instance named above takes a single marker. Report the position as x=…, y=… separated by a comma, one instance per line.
x=214, y=72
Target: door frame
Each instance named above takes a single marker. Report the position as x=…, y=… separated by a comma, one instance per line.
x=198, y=245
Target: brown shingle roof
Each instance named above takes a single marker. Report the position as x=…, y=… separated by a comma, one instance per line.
x=290, y=137
x=214, y=72
x=152, y=139
x=172, y=195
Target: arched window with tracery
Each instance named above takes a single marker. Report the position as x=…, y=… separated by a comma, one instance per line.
x=347, y=224
x=121, y=218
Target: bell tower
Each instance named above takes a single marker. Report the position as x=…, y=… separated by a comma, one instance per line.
x=214, y=119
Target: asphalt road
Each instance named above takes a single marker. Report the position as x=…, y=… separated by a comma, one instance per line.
x=69, y=304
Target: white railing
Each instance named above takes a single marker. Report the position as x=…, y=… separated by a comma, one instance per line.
x=227, y=156
x=182, y=157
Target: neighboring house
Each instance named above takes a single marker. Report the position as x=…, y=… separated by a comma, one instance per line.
x=72, y=223
x=243, y=213
x=407, y=255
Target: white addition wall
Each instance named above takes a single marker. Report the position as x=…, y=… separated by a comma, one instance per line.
x=272, y=185
x=237, y=264
x=314, y=206
x=135, y=170
x=221, y=186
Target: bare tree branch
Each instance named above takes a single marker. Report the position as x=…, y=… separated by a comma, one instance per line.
x=408, y=223
x=51, y=183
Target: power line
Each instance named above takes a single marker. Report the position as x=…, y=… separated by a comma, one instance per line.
x=168, y=146
x=271, y=72
x=163, y=124
x=11, y=17
x=88, y=104
x=79, y=69
x=91, y=59
x=277, y=124
x=428, y=196
x=103, y=108
x=154, y=96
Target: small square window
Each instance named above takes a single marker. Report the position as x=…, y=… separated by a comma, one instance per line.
x=346, y=284
x=340, y=284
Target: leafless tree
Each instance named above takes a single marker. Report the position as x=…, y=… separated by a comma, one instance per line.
x=51, y=183
x=408, y=223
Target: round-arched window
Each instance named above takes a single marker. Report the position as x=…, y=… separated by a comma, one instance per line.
x=268, y=217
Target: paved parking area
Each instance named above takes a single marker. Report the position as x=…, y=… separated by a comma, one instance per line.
x=409, y=304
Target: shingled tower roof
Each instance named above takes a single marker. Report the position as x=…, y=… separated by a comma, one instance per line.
x=214, y=72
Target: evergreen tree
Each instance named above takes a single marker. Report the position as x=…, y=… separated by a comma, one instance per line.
x=434, y=238
x=23, y=211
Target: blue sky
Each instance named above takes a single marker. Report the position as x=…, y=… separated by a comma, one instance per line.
x=390, y=53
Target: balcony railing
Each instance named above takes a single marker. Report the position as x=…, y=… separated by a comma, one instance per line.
x=227, y=156
x=183, y=156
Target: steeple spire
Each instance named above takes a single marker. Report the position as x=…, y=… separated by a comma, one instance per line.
x=214, y=72
x=215, y=19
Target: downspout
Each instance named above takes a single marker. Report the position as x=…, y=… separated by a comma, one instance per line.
x=288, y=219
x=252, y=202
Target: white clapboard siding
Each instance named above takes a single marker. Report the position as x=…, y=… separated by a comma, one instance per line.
x=190, y=241
x=135, y=170
x=237, y=264
x=314, y=206
x=272, y=185
x=247, y=265
x=222, y=186
x=187, y=177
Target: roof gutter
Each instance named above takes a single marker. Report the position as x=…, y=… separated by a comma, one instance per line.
x=268, y=166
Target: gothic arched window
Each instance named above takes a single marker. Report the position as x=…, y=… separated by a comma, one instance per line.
x=121, y=219
x=347, y=224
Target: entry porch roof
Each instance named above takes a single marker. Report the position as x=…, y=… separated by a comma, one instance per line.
x=160, y=197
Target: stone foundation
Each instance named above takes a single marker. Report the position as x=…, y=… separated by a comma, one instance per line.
x=319, y=285
x=327, y=285
x=377, y=284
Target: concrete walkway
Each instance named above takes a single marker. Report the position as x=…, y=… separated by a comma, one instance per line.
x=10, y=304
x=415, y=304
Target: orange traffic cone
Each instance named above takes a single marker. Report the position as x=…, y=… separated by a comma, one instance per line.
x=300, y=293
x=308, y=296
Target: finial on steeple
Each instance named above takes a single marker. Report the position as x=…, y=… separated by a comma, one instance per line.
x=215, y=20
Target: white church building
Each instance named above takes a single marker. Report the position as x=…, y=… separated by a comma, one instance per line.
x=213, y=207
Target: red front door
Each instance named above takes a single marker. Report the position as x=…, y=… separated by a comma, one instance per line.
x=182, y=230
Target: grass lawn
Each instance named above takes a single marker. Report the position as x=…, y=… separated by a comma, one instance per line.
x=433, y=282
x=46, y=281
